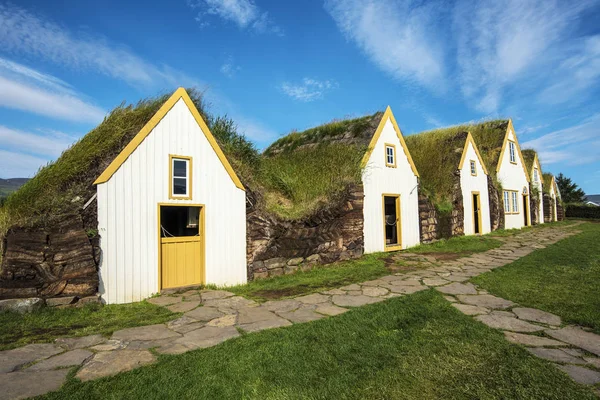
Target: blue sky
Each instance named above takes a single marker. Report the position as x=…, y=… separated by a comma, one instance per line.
x=275, y=66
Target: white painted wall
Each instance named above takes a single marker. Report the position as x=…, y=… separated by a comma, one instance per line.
x=378, y=179
x=513, y=177
x=127, y=211
x=538, y=184
x=469, y=184
x=553, y=201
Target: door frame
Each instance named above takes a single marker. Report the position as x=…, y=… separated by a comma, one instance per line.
x=201, y=231
x=527, y=210
x=397, y=246
x=479, y=220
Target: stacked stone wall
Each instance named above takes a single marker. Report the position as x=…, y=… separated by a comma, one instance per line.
x=428, y=223
x=496, y=206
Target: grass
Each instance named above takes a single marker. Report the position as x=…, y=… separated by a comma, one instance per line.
x=50, y=323
x=368, y=267
x=299, y=183
x=563, y=279
x=463, y=245
x=413, y=347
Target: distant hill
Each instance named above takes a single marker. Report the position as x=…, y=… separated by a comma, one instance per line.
x=7, y=186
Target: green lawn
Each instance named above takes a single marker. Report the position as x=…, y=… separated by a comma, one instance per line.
x=414, y=347
x=563, y=279
x=49, y=323
x=463, y=245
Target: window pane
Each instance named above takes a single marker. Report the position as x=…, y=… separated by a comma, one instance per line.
x=179, y=186
x=179, y=168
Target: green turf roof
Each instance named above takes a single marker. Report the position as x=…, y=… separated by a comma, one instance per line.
x=437, y=155
x=547, y=182
x=529, y=157
x=358, y=131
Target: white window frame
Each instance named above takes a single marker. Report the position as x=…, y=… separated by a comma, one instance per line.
x=473, y=167
x=515, y=202
x=187, y=177
x=390, y=158
x=536, y=177
x=506, y=202
x=512, y=151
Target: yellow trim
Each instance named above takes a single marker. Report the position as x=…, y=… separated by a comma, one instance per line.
x=201, y=237
x=397, y=246
x=393, y=146
x=189, y=178
x=388, y=114
x=464, y=153
x=508, y=128
x=181, y=239
x=527, y=210
x=478, y=214
x=512, y=209
x=180, y=93
x=515, y=145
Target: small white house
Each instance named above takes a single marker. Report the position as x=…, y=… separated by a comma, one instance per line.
x=171, y=210
x=390, y=181
x=535, y=174
x=513, y=176
x=554, y=197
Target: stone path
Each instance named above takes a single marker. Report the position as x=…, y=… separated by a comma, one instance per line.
x=213, y=316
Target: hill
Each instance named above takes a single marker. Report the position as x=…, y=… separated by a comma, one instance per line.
x=7, y=186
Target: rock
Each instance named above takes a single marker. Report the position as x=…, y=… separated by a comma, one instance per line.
x=108, y=363
x=184, y=306
x=330, y=309
x=204, y=314
x=531, y=340
x=451, y=299
x=470, y=310
x=200, y=338
x=593, y=361
x=314, y=298
x=148, y=332
x=531, y=314
x=194, y=297
x=457, y=288
x=406, y=289
x=581, y=375
x=80, y=342
x=354, y=286
x=277, y=262
x=88, y=300
x=60, y=301
x=109, y=345
x=354, y=301
x=164, y=300
x=256, y=319
x=508, y=323
x=230, y=303
x=333, y=291
x=301, y=315
x=486, y=300
x=22, y=306
x=68, y=359
x=434, y=281
x=10, y=360
x=555, y=355
x=148, y=344
x=295, y=261
x=281, y=305
x=215, y=294
x=354, y=293
x=313, y=258
x=18, y=385
x=457, y=278
x=179, y=322
x=227, y=320
x=577, y=337
x=374, y=291
x=507, y=314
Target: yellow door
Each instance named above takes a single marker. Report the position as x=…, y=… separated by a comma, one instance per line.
x=181, y=228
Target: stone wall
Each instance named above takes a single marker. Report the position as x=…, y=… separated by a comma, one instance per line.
x=434, y=224
x=428, y=222
x=496, y=206
x=49, y=262
x=547, y=204
x=560, y=212
x=534, y=202
x=277, y=247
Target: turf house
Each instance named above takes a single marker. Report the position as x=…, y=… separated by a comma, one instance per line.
x=455, y=178
x=534, y=167
x=553, y=209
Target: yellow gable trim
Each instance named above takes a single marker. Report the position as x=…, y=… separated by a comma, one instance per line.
x=388, y=114
x=145, y=131
x=505, y=143
x=464, y=153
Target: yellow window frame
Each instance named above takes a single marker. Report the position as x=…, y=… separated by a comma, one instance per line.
x=393, y=147
x=473, y=167
x=189, y=177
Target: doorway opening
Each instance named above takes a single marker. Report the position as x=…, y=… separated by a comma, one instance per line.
x=525, y=210
x=476, y=213
x=391, y=222
x=181, y=245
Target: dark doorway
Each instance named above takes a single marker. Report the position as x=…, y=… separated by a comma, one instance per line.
x=526, y=210
x=391, y=220
x=476, y=214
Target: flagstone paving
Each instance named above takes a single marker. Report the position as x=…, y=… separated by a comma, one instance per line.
x=214, y=316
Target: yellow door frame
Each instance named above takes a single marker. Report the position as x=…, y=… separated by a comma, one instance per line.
x=527, y=210
x=397, y=246
x=478, y=214
x=201, y=232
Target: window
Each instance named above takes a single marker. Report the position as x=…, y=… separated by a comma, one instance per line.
x=511, y=148
x=506, y=202
x=535, y=176
x=180, y=185
x=473, y=168
x=515, y=202
x=511, y=202
x=390, y=155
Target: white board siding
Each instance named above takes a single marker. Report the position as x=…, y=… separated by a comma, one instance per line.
x=470, y=184
x=128, y=211
x=513, y=177
x=553, y=202
x=539, y=187
x=379, y=179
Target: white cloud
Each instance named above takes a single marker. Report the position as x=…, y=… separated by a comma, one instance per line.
x=25, y=89
x=18, y=165
x=244, y=13
x=396, y=35
x=576, y=145
x=25, y=33
x=49, y=145
x=308, y=90
x=229, y=69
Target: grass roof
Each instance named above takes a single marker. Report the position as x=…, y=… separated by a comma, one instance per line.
x=529, y=157
x=547, y=180
x=436, y=155
x=357, y=131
